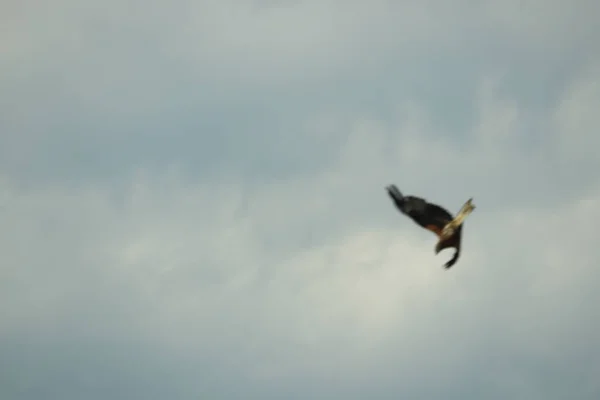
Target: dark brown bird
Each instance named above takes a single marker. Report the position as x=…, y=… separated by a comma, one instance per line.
x=434, y=218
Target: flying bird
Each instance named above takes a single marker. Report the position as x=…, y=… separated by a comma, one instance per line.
x=448, y=228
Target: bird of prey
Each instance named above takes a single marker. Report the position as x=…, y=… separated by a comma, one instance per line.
x=434, y=218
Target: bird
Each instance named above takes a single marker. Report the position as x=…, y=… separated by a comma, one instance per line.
x=448, y=228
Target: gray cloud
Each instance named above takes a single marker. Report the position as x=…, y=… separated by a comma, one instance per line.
x=193, y=204
x=158, y=86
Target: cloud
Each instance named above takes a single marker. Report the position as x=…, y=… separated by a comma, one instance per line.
x=158, y=86
x=174, y=230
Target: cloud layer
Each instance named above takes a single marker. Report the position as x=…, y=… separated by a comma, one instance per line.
x=193, y=200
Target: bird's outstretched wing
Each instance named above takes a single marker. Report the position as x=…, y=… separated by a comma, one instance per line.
x=428, y=215
x=435, y=218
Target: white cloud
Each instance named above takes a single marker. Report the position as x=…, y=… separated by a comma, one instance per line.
x=180, y=265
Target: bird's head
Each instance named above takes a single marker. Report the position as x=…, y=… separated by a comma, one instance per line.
x=441, y=245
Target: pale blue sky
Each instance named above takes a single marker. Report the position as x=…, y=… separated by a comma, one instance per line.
x=193, y=203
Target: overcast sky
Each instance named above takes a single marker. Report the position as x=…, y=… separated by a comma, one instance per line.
x=192, y=199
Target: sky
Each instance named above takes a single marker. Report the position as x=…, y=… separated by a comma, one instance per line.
x=193, y=207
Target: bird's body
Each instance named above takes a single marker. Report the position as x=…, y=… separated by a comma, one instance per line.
x=448, y=228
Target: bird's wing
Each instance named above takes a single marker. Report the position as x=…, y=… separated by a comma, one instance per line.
x=429, y=216
x=439, y=212
x=435, y=218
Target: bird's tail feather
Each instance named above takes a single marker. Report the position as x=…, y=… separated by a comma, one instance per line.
x=395, y=194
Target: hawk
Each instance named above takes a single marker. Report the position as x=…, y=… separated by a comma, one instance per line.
x=434, y=218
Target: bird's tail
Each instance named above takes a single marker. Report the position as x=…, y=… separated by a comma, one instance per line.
x=395, y=194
